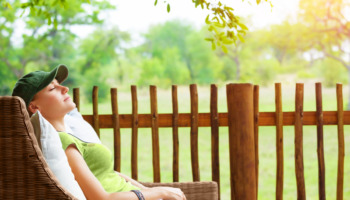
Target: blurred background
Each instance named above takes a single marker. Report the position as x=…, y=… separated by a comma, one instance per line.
x=120, y=43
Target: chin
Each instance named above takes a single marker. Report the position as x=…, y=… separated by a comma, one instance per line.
x=71, y=107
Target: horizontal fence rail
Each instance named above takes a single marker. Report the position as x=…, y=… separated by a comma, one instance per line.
x=242, y=119
x=204, y=119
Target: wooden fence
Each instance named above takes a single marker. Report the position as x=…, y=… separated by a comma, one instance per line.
x=243, y=120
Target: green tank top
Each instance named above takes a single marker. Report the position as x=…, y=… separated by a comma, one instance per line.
x=100, y=161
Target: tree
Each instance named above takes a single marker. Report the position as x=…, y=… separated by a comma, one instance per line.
x=39, y=45
x=329, y=29
x=96, y=54
x=170, y=35
x=224, y=25
x=251, y=61
x=182, y=52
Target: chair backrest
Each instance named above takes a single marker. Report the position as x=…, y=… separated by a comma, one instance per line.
x=24, y=174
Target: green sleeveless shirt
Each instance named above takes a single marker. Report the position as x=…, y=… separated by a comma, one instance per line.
x=100, y=161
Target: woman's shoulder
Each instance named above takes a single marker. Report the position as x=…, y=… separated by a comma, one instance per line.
x=68, y=139
x=65, y=135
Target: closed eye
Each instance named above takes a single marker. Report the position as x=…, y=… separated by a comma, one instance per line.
x=52, y=89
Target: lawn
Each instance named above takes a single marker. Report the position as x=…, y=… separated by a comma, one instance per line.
x=267, y=146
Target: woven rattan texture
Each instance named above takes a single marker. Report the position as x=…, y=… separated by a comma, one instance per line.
x=24, y=174
x=193, y=190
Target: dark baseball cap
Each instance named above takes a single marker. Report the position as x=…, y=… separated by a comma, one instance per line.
x=30, y=84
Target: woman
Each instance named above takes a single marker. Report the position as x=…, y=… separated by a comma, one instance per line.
x=91, y=164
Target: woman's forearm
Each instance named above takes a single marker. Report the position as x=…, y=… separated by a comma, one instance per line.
x=132, y=181
x=149, y=194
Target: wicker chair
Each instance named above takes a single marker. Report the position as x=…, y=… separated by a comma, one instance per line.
x=24, y=173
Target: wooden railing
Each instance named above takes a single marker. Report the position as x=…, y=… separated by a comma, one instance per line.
x=243, y=119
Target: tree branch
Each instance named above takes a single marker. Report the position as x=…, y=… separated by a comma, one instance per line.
x=334, y=57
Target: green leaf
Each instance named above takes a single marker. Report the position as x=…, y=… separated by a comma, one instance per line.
x=32, y=11
x=207, y=20
x=227, y=41
x=168, y=8
x=224, y=48
x=215, y=30
x=209, y=39
x=208, y=4
x=54, y=3
x=240, y=37
x=22, y=13
x=155, y=3
x=242, y=26
x=228, y=8
x=55, y=23
x=219, y=25
x=49, y=20
x=213, y=47
x=39, y=12
x=196, y=3
x=7, y=5
x=25, y=5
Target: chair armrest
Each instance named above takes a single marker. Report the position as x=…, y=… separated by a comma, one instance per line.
x=193, y=190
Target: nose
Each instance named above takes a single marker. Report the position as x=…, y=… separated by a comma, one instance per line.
x=65, y=89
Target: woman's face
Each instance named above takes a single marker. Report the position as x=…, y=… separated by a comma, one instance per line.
x=53, y=101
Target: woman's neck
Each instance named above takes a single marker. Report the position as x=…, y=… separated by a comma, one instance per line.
x=58, y=124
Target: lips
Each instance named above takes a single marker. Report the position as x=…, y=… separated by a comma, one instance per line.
x=67, y=98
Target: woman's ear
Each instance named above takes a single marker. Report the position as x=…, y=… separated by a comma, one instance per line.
x=32, y=107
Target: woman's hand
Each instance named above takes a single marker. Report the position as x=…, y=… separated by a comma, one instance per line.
x=172, y=193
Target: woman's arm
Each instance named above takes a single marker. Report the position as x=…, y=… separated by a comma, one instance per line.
x=132, y=181
x=93, y=189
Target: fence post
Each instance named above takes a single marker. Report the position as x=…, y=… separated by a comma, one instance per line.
x=241, y=140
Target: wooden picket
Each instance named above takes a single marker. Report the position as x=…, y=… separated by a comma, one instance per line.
x=116, y=129
x=214, y=121
x=175, y=126
x=341, y=154
x=279, y=142
x=320, y=149
x=243, y=118
x=134, y=133
x=155, y=135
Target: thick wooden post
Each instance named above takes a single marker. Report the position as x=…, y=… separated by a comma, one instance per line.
x=241, y=140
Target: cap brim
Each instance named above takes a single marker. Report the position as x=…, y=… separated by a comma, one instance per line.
x=60, y=73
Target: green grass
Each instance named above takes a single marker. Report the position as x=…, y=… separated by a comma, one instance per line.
x=267, y=144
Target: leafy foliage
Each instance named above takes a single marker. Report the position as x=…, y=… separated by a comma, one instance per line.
x=39, y=45
x=184, y=56
x=51, y=10
x=225, y=27
x=172, y=53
